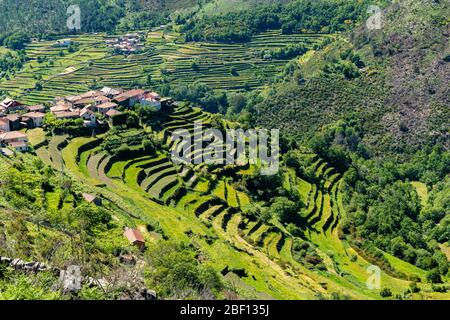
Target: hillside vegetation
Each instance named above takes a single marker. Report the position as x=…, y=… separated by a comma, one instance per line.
x=284, y=242
x=363, y=182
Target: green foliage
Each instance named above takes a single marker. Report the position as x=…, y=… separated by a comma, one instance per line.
x=295, y=16
x=72, y=126
x=434, y=277
x=385, y=293
x=11, y=61
x=175, y=272
x=124, y=143
x=16, y=40
x=41, y=17
x=257, y=184
x=91, y=218
x=285, y=210
x=306, y=253
x=289, y=52
x=197, y=93
x=27, y=287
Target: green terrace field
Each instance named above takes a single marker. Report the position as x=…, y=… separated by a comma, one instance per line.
x=215, y=61
x=52, y=65
x=209, y=210
x=222, y=66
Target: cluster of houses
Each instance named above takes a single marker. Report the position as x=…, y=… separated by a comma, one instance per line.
x=63, y=43
x=106, y=102
x=129, y=43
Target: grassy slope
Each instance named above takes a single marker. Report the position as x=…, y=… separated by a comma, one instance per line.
x=275, y=272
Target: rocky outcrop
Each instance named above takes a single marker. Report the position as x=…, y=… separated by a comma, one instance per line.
x=19, y=264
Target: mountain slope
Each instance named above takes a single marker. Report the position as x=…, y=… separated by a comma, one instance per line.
x=400, y=92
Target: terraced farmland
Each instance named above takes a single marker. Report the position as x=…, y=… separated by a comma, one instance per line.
x=46, y=63
x=229, y=66
x=222, y=66
x=210, y=210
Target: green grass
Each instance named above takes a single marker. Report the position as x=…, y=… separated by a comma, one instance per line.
x=422, y=191
x=36, y=136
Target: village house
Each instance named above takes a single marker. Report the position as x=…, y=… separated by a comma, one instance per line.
x=15, y=139
x=112, y=112
x=36, y=118
x=63, y=43
x=167, y=102
x=130, y=98
x=4, y=125
x=105, y=107
x=10, y=105
x=67, y=115
x=60, y=108
x=135, y=237
x=80, y=103
x=111, y=92
x=129, y=43
x=89, y=117
x=36, y=108
x=14, y=122
x=6, y=152
x=90, y=198
x=85, y=98
x=152, y=99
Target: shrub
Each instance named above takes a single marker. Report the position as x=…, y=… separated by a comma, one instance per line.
x=434, y=277
x=386, y=292
x=413, y=288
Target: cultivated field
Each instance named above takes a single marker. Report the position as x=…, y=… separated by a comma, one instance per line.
x=59, y=72
x=263, y=256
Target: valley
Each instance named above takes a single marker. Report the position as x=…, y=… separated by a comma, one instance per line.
x=90, y=122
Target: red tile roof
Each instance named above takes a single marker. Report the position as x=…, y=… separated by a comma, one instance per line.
x=107, y=105
x=34, y=115
x=129, y=94
x=134, y=235
x=113, y=112
x=13, y=135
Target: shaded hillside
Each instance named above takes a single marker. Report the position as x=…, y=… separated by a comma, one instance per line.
x=393, y=80
x=43, y=17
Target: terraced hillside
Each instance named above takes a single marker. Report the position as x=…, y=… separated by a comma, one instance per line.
x=228, y=66
x=202, y=204
x=53, y=71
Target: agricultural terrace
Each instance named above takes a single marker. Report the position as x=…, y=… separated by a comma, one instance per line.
x=204, y=204
x=56, y=71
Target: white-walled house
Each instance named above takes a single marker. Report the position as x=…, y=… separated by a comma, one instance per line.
x=152, y=99
x=36, y=117
x=15, y=139
x=4, y=125
x=89, y=117
x=105, y=107
x=63, y=42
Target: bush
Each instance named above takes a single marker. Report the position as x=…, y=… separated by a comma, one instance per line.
x=413, y=288
x=434, y=277
x=386, y=292
x=440, y=289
